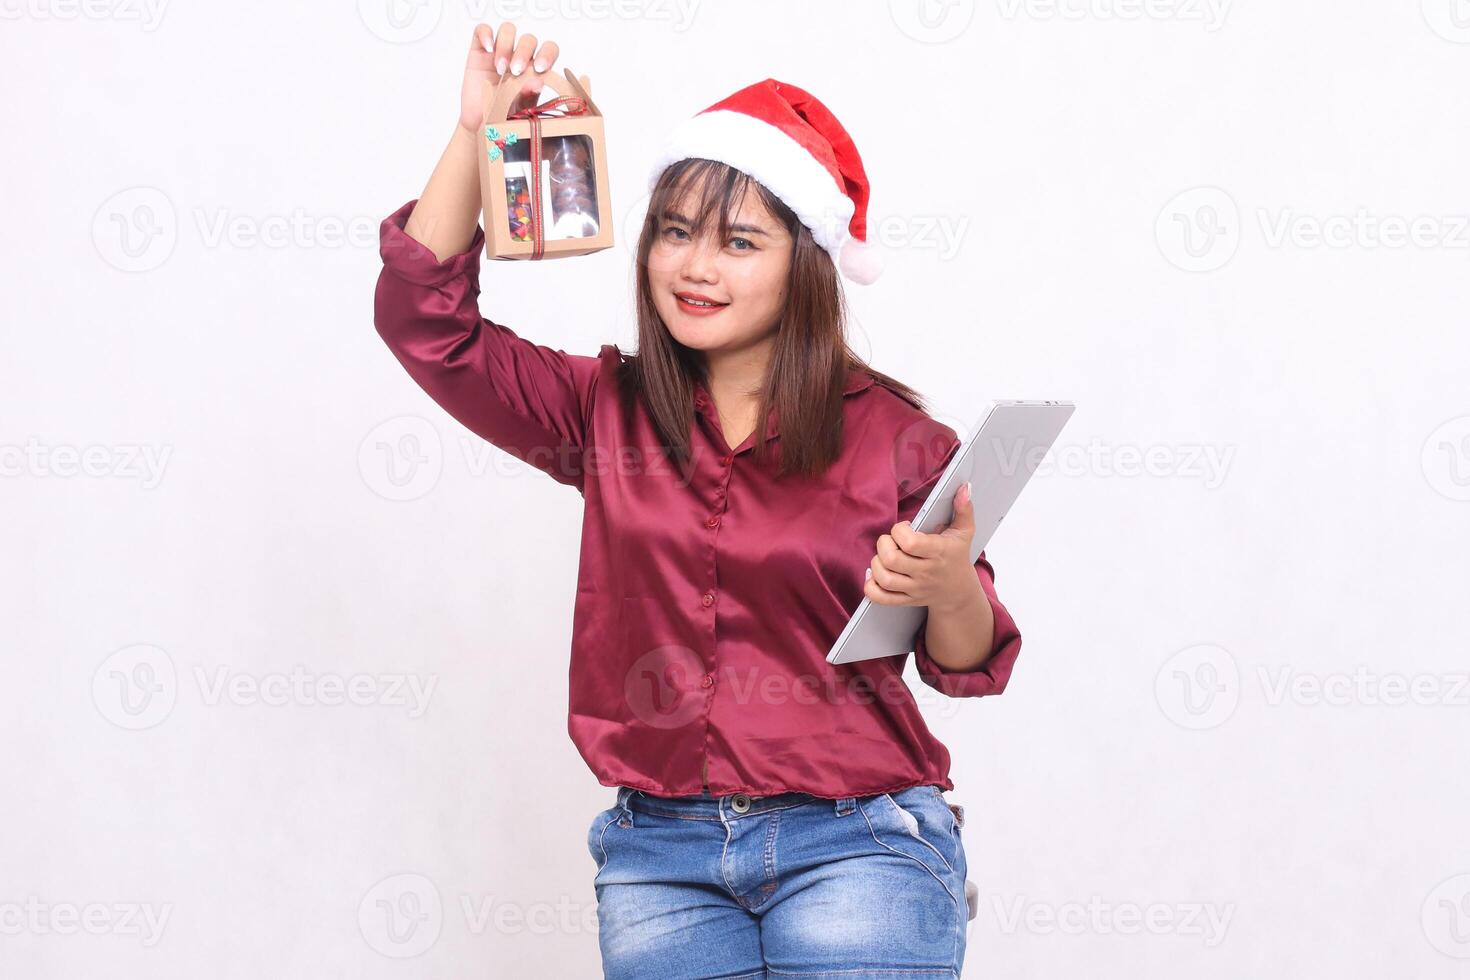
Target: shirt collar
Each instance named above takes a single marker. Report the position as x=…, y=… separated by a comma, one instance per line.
x=857, y=380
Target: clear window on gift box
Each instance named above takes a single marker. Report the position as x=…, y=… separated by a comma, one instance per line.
x=568, y=188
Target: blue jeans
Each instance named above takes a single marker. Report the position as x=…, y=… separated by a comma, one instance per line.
x=787, y=885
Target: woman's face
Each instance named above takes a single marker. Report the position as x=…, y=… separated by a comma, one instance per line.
x=744, y=275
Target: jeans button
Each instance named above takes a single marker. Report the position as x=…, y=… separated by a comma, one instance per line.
x=740, y=803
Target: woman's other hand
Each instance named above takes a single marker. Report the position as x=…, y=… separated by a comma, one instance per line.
x=915, y=568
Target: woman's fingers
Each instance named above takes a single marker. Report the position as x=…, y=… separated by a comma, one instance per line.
x=546, y=57
x=521, y=60
x=505, y=39
x=483, y=39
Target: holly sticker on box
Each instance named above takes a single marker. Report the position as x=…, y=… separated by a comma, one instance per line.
x=543, y=171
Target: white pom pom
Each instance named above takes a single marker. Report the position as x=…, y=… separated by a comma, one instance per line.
x=862, y=262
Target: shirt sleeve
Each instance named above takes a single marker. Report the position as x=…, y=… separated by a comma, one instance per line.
x=530, y=400
x=992, y=675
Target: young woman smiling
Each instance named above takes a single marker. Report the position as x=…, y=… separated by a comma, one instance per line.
x=746, y=481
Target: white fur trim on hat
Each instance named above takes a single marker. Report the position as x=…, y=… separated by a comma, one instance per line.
x=862, y=262
x=779, y=162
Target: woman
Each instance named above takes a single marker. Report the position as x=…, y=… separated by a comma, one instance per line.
x=746, y=481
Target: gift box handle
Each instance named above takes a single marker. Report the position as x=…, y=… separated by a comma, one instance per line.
x=496, y=97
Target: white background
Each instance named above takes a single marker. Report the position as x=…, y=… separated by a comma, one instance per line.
x=1235, y=236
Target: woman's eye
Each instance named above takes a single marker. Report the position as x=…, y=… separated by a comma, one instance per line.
x=673, y=229
x=747, y=241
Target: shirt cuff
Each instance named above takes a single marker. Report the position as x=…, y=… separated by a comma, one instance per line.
x=992, y=675
x=414, y=262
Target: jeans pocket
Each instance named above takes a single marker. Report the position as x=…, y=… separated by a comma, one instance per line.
x=906, y=823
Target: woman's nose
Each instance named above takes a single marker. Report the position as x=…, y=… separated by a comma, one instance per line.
x=700, y=262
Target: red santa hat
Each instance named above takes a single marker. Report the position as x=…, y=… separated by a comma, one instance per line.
x=789, y=141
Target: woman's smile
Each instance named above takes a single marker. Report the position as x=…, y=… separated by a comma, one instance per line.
x=698, y=304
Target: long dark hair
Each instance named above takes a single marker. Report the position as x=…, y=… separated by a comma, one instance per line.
x=810, y=360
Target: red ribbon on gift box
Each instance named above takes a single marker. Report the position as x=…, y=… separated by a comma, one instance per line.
x=566, y=105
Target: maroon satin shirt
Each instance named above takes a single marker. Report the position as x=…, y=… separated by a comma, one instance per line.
x=707, y=600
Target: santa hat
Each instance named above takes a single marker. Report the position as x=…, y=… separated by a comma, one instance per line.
x=789, y=141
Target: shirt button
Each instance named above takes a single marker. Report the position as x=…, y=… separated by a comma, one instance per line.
x=713, y=521
x=709, y=598
x=728, y=460
x=706, y=681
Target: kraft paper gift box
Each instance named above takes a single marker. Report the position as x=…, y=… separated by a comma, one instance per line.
x=543, y=171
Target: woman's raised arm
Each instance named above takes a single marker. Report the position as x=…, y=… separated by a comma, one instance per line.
x=528, y=399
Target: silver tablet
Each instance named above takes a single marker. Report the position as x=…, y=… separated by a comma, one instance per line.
x=998, y=459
